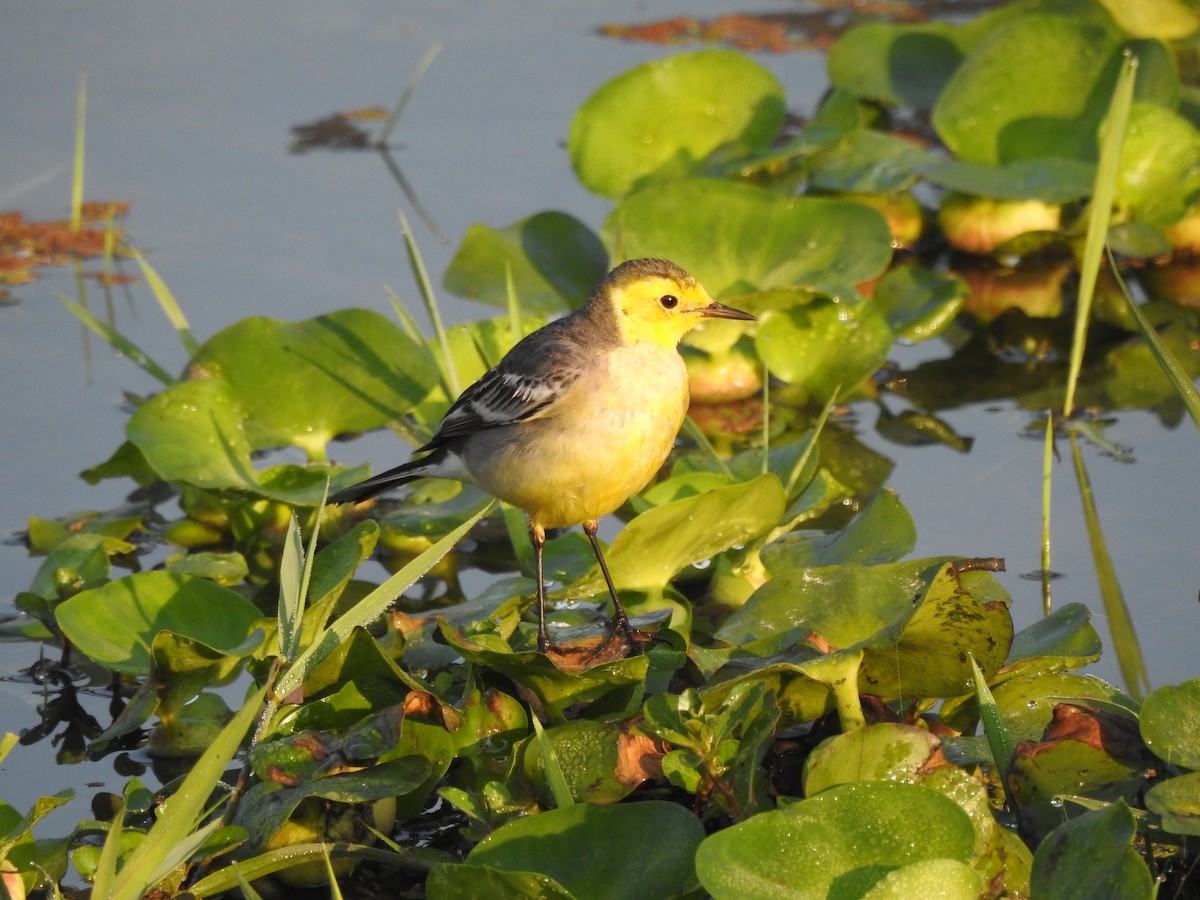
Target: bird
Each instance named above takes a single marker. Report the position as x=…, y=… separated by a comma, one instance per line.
x=577, y=417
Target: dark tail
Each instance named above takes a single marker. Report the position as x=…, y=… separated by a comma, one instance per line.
x=409, y=471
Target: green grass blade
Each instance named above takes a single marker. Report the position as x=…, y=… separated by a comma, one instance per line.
x=1125, y=642
x=118, y=341
x=818, y=427
x=449, y=371
x=693, y=431
x=1047, y=463
x=407, y=323
x=77, y=175
x=1171, y=367
x=166, y=302
x=372, y=605
x=1112, y=135
x=104, y=880
x=406, y=94
x=998, y=736
x=560, y=791
x=179, y=817
x=514, y=303
x=291, y=595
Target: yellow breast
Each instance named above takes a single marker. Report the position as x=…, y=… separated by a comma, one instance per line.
x=601, y=444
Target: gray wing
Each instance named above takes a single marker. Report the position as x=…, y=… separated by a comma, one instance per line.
x=523, y=386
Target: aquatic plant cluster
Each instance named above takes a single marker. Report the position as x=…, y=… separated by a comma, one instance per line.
x=818, y=715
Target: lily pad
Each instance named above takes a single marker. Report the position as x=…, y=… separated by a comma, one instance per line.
x=623, y=135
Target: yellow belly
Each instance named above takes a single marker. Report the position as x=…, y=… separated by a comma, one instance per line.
x=601, y=445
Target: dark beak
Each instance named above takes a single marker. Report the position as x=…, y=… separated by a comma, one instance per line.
x=720, y=311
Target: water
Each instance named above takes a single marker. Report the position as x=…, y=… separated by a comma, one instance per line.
x=189, y=111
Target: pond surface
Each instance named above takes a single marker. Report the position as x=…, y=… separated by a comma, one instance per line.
x=189, y=115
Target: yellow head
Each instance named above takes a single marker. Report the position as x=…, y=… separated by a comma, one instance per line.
x=655, y=300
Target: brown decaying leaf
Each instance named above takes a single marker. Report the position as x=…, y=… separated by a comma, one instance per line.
x=639, y=758
x=25, y=245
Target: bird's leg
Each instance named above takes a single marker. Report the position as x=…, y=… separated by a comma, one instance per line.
x=620, y=620
x=537, y=534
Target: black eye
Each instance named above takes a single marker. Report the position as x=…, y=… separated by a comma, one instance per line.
x=668, y=301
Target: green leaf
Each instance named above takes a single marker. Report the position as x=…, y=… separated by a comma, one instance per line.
x=1091, y=856
x=887, y=751
x=881, y=533
x=555, y=260
x=1177, y=802
x=824, y=346
x=839, y=843
x=116, y=624
x=737, y=238
x=1066, y=633
x=1170, y=723
x=1051, y=180
x=1037, y=86
x=897, y=64
x=304, y=383
x=1159, y=174
x=578, y=846
x=470, y=882
x=918, y=302
x=662, y=541
x=192, y=432
x=664, y=118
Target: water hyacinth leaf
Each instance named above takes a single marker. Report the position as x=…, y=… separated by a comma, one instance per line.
x=1051, y=180
x=1043, y=771
x=556, y=689
x=192, y=432
x=303, y=383
x=266, y=807
x=115, y=624
x=841, y=842
x=881, y=533
x=688, y=531
x=825, y=346
x=620, y=137
x=898, y=65
x=736, y=238
x=577, y=847
x=464, y=881
x=868, y=161
x=1170, y=723
x=1159, y=174
x=886, y=751
x=1066, y=634
x=1092, y=856
x=587, y=759
x=82, y=557
x=945, y=878
x=1162, y=19
x=919, y=303
x=554, y=260
x=930, y=656
x=1037, y=86
x=844, y=604
x=1177, y=803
